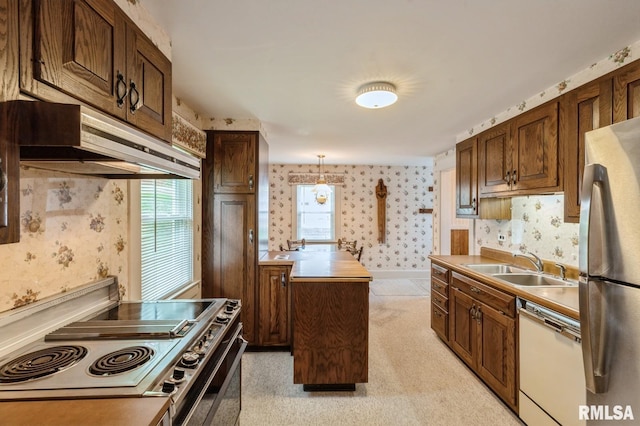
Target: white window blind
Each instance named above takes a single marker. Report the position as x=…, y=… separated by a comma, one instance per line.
x=166, y=236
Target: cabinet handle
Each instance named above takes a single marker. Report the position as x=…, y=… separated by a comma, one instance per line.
x=251, y=236
x=514, y=177
x=473, y=204
x=507, y=178
x=133, y=105
x=437, y=313
x=472, y=311
x=475, y=290
x=283, y=279
x=479, y=315
x=250, y=181
x=121, y=90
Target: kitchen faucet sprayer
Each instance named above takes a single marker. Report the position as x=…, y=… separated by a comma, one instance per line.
x=534, y=259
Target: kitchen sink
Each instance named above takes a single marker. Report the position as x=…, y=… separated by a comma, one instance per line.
x=494, y=268
x=534, y=280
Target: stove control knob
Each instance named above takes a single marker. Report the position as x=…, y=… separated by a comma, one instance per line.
x=178, y=375
x=232, y=303
x=189, y=359
x=168, y=387
x=228, y=309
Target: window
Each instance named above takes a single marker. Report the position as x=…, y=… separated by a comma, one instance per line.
x=313, y=221
x=166, y=236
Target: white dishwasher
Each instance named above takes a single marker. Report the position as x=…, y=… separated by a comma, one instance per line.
x=552, y=385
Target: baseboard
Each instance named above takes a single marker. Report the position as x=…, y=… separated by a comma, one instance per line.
x=389, y=274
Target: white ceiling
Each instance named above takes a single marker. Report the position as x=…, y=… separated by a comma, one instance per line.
x=296, y=65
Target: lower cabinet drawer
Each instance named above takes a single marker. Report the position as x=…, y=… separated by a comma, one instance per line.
x=440, y=321
x=439, y=300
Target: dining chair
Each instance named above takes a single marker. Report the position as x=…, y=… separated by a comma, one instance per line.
x=296, y=244
x=347, y=245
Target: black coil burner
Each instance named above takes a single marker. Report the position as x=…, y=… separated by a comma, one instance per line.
x=121, y=361
x=41, y=363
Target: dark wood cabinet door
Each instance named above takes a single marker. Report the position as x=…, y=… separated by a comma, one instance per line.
x=535, y=150
x=9, y=63
x=234, y=156
x=234, y=254
x=496, y=352
x=462, y=328
x=274, y=323
x=148, y=102
x=467, y=178
x=585, y=108
x=76, y=47
x=626, y=93
x=494, y=160
x=9, y=177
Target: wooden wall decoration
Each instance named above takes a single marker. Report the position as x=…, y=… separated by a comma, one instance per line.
x=381, y=194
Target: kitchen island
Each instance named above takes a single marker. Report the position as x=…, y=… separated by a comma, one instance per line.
x=330, y=317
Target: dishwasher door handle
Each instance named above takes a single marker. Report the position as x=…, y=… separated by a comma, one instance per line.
x=555, y=325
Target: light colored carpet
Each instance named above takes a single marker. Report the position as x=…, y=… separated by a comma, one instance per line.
x=414, y=379
x=399, y=287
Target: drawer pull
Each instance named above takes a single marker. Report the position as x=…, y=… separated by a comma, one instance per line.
x=437, y=313
x=476, y=290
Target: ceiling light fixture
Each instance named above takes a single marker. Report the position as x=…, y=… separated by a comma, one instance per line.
x=322, y=190
x=378, y=94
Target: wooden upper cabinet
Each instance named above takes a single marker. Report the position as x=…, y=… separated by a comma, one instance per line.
x=9, y=177
x=149, y=85
x=467, y=178
x=9, y=76
x=494, y=160
x=521, y=156
x=89, y=51
x=535, y=150
x=583, y=109
x=234, y=156
x=626, y=93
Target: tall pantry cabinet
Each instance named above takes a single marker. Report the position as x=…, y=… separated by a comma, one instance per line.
x=235, y=206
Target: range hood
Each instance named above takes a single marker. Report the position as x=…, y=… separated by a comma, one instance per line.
x=77, y=139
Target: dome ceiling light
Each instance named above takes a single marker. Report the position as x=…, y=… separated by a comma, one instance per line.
x=378, y=94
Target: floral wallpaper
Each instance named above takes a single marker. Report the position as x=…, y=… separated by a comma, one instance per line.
x=615, y=60
x=537, y=226
x=408, y=232
x=73, y=230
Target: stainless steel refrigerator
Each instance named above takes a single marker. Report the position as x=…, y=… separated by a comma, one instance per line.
x=610, y=274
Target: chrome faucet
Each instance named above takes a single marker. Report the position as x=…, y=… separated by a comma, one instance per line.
x=535, y=260
x=563, y=271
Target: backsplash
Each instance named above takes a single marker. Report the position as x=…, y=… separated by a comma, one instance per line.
x=537, y=226
x=409, y=234
x=73, y=230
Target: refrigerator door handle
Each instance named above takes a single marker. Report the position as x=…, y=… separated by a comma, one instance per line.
x=593, y=315
x=595, y=181
x=595, y=334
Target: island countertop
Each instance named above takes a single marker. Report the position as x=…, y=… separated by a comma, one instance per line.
x=323, y=266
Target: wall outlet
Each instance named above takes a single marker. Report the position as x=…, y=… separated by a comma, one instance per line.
x=501, y=237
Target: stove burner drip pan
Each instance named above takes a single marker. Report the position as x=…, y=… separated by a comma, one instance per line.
x=121, y=361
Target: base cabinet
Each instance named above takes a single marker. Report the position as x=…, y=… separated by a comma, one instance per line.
x=482, y=332
x=274, y=300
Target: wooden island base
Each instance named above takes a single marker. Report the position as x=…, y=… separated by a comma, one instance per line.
x=330, y=319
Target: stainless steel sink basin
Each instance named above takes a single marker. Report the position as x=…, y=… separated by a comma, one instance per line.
x=494, y=268
x=534, y=280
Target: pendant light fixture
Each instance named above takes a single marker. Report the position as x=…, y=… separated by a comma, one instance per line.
x=378, y=94
x=321, y=190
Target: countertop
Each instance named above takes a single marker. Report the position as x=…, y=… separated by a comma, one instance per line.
x=77, y=412
x=563, y=300
x=322, y=266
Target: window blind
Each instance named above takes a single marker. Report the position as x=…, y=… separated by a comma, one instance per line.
x=166, y=236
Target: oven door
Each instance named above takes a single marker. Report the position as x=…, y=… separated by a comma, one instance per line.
x=215, y=396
